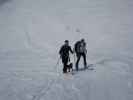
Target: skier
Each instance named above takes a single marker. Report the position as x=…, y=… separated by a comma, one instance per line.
x=80, y=50
x=64, y=54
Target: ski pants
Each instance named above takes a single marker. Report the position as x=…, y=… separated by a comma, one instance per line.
x=78, y=59
x=65, y=62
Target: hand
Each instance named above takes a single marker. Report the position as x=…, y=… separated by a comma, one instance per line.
x=69, y=59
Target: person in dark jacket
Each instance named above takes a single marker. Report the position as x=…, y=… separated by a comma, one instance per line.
x=80, y=50
x=64, y=54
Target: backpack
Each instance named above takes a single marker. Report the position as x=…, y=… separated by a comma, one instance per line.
x=80, y=47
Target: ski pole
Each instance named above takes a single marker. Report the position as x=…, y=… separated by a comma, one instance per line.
x=57, y=63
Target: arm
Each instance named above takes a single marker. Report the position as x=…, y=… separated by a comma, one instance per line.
x=74, y=48
x=60, y=51
x=71, y=50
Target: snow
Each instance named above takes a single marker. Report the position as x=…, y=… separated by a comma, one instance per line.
x=31, y=33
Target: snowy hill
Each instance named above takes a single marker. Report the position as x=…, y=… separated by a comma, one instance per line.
x=31, y=33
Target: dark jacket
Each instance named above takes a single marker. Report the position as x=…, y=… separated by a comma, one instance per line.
x=64, y=51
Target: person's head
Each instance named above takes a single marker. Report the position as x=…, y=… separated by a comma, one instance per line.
x=66, y=42
x=82, y=40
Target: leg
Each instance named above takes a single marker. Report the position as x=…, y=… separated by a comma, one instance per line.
x=77, y=62
x=84, y=58
x=65, y=61
x=64, y=68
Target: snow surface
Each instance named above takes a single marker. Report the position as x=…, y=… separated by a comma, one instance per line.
x=31, y=33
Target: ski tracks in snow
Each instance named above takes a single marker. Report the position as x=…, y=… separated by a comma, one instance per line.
x=62, y=84
x=43, y=91
x=111, y=78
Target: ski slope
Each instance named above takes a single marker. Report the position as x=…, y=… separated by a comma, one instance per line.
x=31, y=33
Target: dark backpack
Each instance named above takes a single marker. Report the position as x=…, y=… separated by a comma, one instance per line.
x=80, y=47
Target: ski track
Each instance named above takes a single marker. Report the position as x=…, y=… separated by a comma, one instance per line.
x=111, y=79
x=43, y=92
